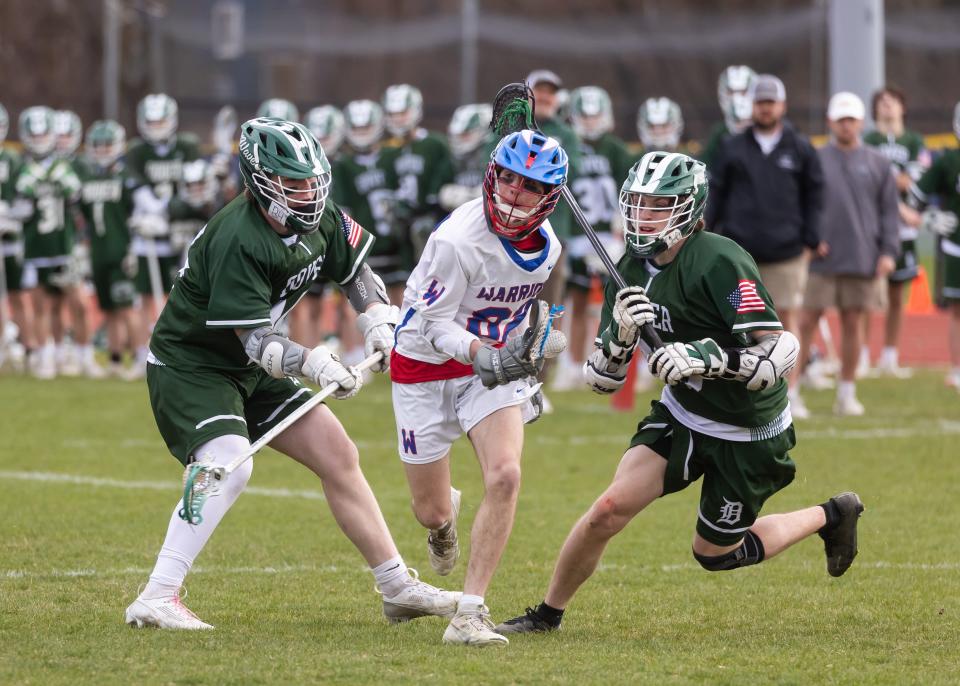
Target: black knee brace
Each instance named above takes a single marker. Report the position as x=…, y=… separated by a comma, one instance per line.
x=749, y=553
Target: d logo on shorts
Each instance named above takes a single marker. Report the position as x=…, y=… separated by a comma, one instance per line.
x=730, y=512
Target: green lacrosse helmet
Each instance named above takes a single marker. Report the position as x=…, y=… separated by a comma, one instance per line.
x=328, y=125
x=364, y=120
x=157, y=118
x=278, y=108
x=36, y=131
x=105, y=142
x=403, y=108
x=591, y=112
x=662, y=201
x=273, y=154
x=734, y=93
x=68, y=131
x=660, y=124
x=4, y=123
x=468, y=128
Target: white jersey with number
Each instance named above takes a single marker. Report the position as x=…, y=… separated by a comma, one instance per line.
x=469, y=284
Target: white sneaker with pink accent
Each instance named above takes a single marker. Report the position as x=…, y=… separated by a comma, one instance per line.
x=167, y=612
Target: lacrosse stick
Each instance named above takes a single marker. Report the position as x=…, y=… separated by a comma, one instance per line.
x=202, y=480
x=513, y=110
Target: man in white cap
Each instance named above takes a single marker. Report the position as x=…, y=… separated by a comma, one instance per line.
x=859, y=226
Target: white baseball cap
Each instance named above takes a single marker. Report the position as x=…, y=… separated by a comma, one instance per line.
x=845, y=105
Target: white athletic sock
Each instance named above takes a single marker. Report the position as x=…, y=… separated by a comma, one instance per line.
x=470, y=603
x=86, y=353
x=142, y=355
x=184, y=541
x=888, y=356
x=846, y=389
x=391, y=576
x=864, y=356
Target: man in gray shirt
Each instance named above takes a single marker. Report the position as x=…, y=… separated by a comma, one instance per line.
x=859, y=229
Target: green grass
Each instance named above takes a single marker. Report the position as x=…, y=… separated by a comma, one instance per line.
x=292, y=602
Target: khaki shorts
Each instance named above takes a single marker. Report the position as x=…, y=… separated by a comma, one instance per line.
x=844, y=292
x=785, y=281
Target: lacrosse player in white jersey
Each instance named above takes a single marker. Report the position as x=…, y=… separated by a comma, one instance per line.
x=464, y=362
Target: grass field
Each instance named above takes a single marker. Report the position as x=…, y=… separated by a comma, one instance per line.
x=86, y=487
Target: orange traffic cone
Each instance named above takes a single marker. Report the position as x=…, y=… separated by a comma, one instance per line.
x=623, y=400
x=920, y=301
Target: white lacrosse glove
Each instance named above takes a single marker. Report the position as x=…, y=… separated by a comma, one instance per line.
x=130, y=265
x=452, y=195
x=377, y=325
x=323, y=368
x=150, y=225
x=631, y=310
x=673, y=364
x=939, y=222
x=8, y=224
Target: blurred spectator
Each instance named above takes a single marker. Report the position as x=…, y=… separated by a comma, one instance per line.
x=765, y=193
x=860, y=240
x=904, y=150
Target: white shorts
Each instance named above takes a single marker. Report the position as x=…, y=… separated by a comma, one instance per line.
x=433, y=414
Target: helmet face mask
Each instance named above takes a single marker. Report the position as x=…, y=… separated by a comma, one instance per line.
x=36, y=131
x=403, y=109
x=286, y=171
x=734, y=95
x=328, y=125
x=157, y=118
x=468, y=128
x=105, y=142
x=523, y=182
x=662, y=202
x=364, y=121
x=198, y=186
x=278, y=108
x=591, y=112
x=68, y=131
x=660, y=124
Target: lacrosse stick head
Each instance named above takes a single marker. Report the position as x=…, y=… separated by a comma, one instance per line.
x=201, y=480
x=544, y=340
x=513, y=110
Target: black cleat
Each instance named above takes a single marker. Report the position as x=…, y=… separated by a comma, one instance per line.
x=529, y=622
x=840, y=542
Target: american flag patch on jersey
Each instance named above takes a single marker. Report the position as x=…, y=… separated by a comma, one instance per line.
x=351, y=230
x=745, y=297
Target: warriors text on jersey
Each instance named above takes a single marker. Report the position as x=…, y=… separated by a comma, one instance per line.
x=241, y=274
x=711, y=289
x=469, y=284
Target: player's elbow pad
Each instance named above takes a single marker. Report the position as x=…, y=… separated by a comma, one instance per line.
x=603, y=375
x=760, y=366
x=278, y=356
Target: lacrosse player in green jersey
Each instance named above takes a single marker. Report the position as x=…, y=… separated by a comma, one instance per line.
x=723, y=414
x=156, y=159
x=943, y=180
x=422, y=163
x=735, y=94
x=13, y=210
x=603, y=160
x=106, y=200
x=50, y=183
x=220, y=375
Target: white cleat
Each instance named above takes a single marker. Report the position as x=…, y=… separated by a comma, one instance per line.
x=163, y=613
x=42, y=366
x=419, y=599
x=92, y=370
x=848, y=406
x=894, y=371
x=798, y=408
x=443, y=547
x=473, y=628
x=816, y=381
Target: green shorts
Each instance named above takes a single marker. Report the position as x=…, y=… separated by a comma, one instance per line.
x=169, y=267
x=737, y=477
x=907, y=267
x=13, y=270
x=50, y=279
x=192, y=408
x=115, y=290
x=578, y=274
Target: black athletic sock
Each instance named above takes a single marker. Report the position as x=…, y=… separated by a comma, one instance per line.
x=833, y=515
x=550, y=615
x=116, y=357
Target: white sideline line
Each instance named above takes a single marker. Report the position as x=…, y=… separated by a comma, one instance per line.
x=169, y=486
x=143, y=571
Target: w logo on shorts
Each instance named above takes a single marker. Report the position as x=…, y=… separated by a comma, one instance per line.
x=409, y=442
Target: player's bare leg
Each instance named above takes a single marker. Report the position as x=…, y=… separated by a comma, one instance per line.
x=953, y=378
x=44, y=365
x=808, y=320
x=319, y=442
x=893, y=324
x=436, y=504
x=75, y=298
x=850, y=326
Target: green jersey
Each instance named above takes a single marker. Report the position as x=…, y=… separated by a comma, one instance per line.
x=711, y=289
x=604, y=165
x=161, y=166
x=240, y=274
x=715, y=139
x=106, y=202
x=363, y=185
x=53, y=186
x=9, y=169
x=186, y=220
x=900, y=150
x=421, y=166
x=943, y=179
